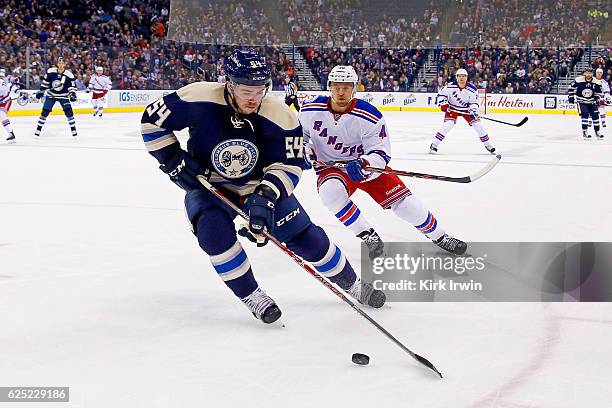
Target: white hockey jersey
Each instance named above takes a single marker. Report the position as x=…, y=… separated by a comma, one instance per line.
x=459, y=99
x=605, y=88
x=359, y=132
x=8, y=91
x=99, y=83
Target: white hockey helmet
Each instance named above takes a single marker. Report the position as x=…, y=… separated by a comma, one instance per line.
x=99, y=69
x=342, y=73
x=461, y=72
x=599, y=71
x=2, y=72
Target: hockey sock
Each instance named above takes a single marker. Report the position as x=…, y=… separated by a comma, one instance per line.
x=314, y=246
x=6, y=122
x=482, y=133
x=41, y=123
x=217, y=237
x=411, y=209
x=72, y=124
x=446, y=127
x=335, y=197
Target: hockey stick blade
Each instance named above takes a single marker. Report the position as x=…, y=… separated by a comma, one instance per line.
x=311, y=271
x=465, y=179
x=521, y=123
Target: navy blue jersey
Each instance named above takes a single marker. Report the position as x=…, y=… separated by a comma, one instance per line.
x=58, y=85
x=585, y=91
x=242, y=151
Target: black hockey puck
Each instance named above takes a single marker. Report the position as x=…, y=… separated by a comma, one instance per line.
x=360, y=359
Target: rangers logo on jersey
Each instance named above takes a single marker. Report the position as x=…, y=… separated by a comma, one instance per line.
x=234, y=158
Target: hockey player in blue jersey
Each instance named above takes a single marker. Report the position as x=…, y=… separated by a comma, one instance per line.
x=250, y=146
x=58, y=85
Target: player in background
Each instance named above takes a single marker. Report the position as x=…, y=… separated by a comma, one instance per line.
x=291, y=94
x=8, y=92
x=585, y=92
x=605, y=99
x=99, y=84
x=342, y=128
x=58, y=85
x=460, y=99
x=249, y=146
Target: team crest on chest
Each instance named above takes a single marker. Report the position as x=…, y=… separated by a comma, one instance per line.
x=587, y=93
x=234, y=158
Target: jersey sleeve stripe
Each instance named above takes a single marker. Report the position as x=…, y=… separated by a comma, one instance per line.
x=362, y=117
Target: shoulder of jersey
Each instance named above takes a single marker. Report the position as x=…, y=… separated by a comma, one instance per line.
x=472, y=87
x=52, y=70
x=451, y=85
x=202, y=92
x=580, y=78
x=277, y=112
x=319, y=103
x=366, y=111
x=69, y=74
x=597, y=81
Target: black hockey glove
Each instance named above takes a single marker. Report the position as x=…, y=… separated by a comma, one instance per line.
x=40, y=94
x=260, y=208
x=572, y=99
x=72, y=96
x=183, y=169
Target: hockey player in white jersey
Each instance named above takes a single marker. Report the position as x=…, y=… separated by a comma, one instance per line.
x=8, y=92
x=342, y=128
x=605, y=99
x=99, y=84
x=460, y=99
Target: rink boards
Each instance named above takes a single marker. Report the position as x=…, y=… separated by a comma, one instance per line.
x=136, y=101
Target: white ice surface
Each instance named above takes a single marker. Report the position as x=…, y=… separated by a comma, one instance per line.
x=104, y=289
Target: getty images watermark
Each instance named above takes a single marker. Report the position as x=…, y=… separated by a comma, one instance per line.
x=408, y=265
x=499, y=271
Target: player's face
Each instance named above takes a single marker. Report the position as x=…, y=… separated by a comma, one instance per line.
x=462, y=80
x=598, y=75
x=248, y=97
x=61, y=65
x=342, y=93
x=588, y=75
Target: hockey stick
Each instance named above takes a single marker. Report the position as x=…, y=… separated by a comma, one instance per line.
x=465, y=179
x=521, y=123
x=318, y=276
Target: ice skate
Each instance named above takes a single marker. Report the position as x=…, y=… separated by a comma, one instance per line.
x=262, y=306
x=365, y=294
x=452, y=245
x=376, y=246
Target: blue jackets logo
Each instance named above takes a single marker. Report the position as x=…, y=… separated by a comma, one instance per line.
x=234, y=158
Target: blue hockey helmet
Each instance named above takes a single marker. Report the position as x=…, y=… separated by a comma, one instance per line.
x=247, y=67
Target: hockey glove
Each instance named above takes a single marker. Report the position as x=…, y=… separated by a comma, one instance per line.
x=260, y=208
x=72, y=96
x=355, y=170
x=474, y=110
x=444, y=107
x=182, y=169
x=39, y=94
x=571, y=99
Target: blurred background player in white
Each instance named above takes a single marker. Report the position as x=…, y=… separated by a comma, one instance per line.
x=58, y=85
x=8, y=92
x=99, y=84
x=585, y=92
x=342, y=128
x=456, y=99
x=605, y=99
